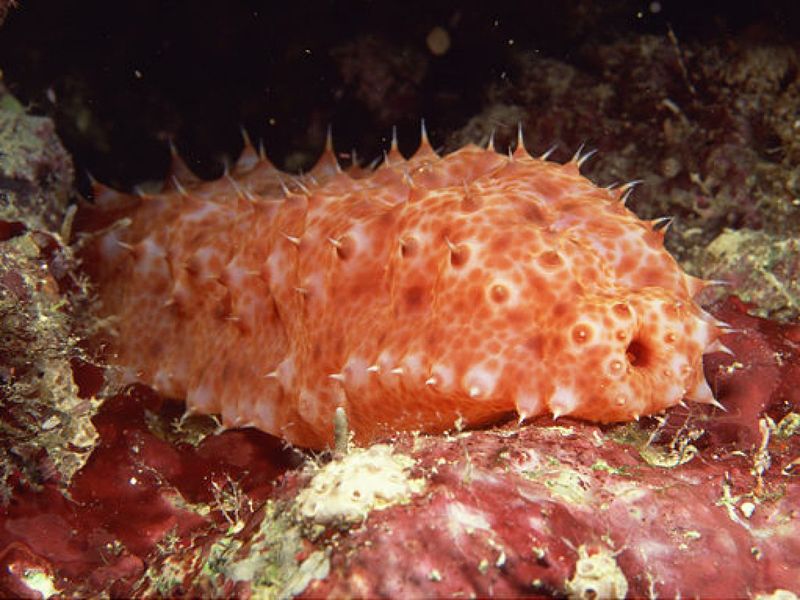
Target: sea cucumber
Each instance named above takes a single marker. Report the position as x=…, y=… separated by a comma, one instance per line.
x=433, y=289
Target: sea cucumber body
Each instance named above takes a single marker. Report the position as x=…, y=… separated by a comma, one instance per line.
x=469, y=286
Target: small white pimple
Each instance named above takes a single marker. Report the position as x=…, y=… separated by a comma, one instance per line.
x=430, y=381
x=474, y=391
x=444, y=376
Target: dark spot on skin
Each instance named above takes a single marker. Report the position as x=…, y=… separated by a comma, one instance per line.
x=459, y=256
x=559, y=309
x=626, y=265
x=534, y=214
x=470, y=203
x=638, y=353
x=550, y=260
x=414, y=296
x=650, y=276
x=346, y=247
x=517, y=317
x=621, y=310
x=156, y=348
x=474, y=295
x=409, y=247
x=500, y=244
x=535, y=345
x=498, y=293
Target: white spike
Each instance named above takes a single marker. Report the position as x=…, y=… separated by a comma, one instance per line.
x=284, y=188
x=711, y=319
x=374, y=368
x=337, y=377
x=630, y=185
x=627, y=190
x=423, y=133
x=329, y=148
x=336, y=243
x=702, y=394
x=722, y=282
x=717, y=346
x=520, y=138
x=237, y=188
x=271, y=375
x=662, y=223
x=577, y=155
x=179, y=186
x=397, y=371
x=548, y=152
x=294, y=240
x=299, y=183
x=245, y=136
x=581, y=160
x=725, y=329
x=490, y=143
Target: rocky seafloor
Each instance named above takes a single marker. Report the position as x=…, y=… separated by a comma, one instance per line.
x=111, y=492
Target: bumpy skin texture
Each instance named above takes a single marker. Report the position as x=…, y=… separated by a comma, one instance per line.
x=432, y=289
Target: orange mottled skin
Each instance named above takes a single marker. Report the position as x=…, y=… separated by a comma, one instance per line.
x=469, y=286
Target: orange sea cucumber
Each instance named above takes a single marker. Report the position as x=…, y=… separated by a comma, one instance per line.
x=435, y=288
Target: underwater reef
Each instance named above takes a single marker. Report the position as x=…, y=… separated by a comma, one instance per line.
x=111, y=489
